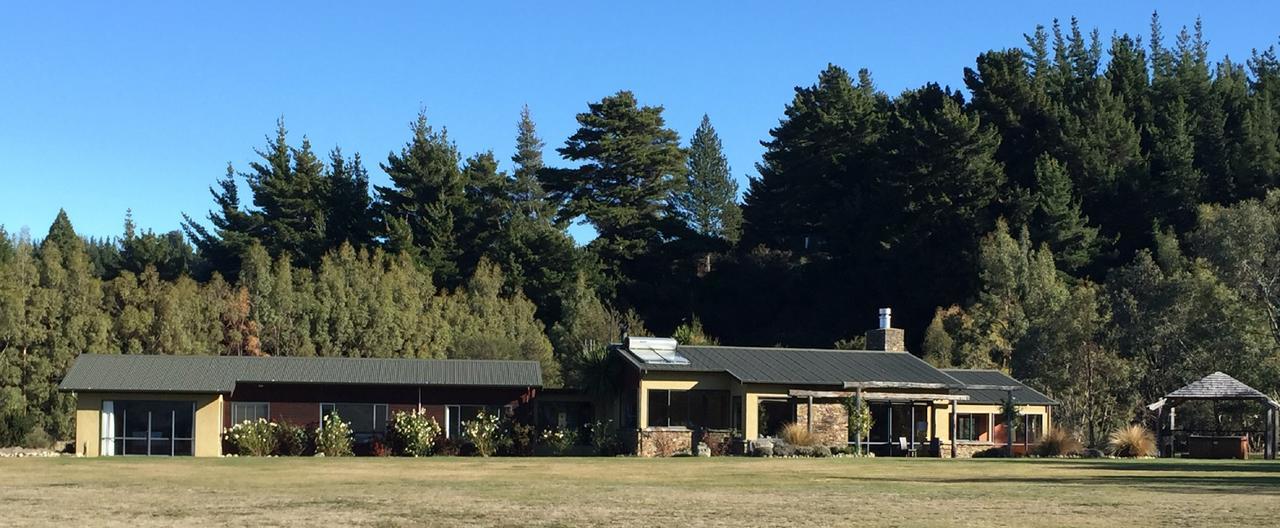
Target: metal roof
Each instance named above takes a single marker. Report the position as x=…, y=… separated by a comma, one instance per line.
x=805, y=366
x=156, y=373
x=988, y=379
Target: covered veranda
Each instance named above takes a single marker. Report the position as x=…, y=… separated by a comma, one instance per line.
x=1214, y=442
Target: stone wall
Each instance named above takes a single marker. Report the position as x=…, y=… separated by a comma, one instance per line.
x=887, y=339
x=830, y=421
x=663, y=441
x=966, y=450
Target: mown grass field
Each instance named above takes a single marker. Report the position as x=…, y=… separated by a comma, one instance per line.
x=636, y=492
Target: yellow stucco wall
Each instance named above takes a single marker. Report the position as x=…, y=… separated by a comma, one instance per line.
x=207, y=437
x=944, y=415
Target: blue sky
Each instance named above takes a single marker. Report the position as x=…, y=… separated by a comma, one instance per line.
x=107, y=106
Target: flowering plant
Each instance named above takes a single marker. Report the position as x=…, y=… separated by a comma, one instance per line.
x=413, y=433
x=484, y=432
x=559, y=441
x=254, y=437
x=604, y=437
x=333, y=437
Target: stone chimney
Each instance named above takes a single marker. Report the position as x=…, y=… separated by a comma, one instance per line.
x=886, y=337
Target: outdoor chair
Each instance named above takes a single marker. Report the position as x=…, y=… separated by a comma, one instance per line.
x=906, y=447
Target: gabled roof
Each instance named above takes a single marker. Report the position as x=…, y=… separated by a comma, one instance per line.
x=805, y=366
x=219, y=374
x=1217, y=386
x=987, y=381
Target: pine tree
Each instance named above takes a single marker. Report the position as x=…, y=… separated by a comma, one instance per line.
x=1058, y=220
x=349, y=216
x=630, y=160
x=708, y=203
x=234, y=229
x=290, y=190
x=428, y=190
x=527, y=192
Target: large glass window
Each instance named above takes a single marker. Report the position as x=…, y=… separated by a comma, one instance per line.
x=133, y=427
x=367, y=420
x=249, y=411
x=971, y=427
x=1032, y=428
x=456, y=415
x=708, y=409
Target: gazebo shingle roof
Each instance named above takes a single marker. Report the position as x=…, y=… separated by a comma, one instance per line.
x=1217, y=386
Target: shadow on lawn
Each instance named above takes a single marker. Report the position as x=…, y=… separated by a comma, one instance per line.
x=1256, y=484
x=1164, y=464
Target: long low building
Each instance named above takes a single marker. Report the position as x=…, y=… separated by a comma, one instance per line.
x=668, y=397
x=180, y=405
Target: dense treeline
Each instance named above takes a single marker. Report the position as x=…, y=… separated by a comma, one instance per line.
x=1102, y=224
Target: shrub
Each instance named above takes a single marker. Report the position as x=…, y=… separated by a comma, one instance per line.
x=254, y=437
x=798, y=434
x=448, y=446
x=484, y=432
x=522, y=439
x=292, y=440
x=784, y=450
x=412, y=433
x=822, y=451
x=1058, y=442
x=762, y=448
x=379, y=448
x=859, y=417
x=333, y=437
x=1132, y=441
x=14, y=428
x=37, y=438
x=559, y=441
x=604, y=438
x=992, y=452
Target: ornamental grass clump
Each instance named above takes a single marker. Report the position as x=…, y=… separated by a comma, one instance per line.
x=484, y=432
x=413, y=433
x=797, y=434
x=1131, y=442
x=333, y=437
x=254, y=437
x=1058, y=442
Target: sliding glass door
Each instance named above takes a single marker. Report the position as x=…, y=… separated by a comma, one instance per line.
x=133, y=427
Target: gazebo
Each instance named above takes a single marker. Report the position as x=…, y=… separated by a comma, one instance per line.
x=1214, y=387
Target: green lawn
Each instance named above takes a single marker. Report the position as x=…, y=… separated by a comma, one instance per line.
x=634, y=492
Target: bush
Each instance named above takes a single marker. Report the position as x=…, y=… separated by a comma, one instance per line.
x=448, y=446
x=797, y=434
x=484, y=432
x=254, y=438
x=14, y=428
x=333, y=437
x=992, y=452
x=762, y=448
x=522, y=439
x=822, y=451
x=379, y=448
x=604, y=438
x=1131, y=442
x=784, y=450
x=1058, y=442
x=412, y=433
x=36, y=438
x=292, y=440
x=559, y=441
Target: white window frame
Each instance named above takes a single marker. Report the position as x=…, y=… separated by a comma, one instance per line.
x=266, y=415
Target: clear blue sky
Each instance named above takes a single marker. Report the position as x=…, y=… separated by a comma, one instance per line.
x=106, y=106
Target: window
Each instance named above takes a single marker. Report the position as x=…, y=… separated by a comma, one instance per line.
x=249, y=411
x=707, y=409
x=969, y=426
x=1032, y=428
x=147, y=427
x=456, y=415
x=368, y=420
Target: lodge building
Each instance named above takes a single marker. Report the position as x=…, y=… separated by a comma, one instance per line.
x=666, y=396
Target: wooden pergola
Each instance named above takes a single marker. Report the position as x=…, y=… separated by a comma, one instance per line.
x=1214, y=387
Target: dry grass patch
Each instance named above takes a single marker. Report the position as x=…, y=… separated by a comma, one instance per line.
x=718, y=491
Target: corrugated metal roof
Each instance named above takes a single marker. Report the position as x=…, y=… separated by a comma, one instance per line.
x=803, y=366
x=1218, y=386
x=155, y=373
x=1023, y=395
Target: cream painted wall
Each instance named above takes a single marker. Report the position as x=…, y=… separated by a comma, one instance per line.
x=206, y=439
